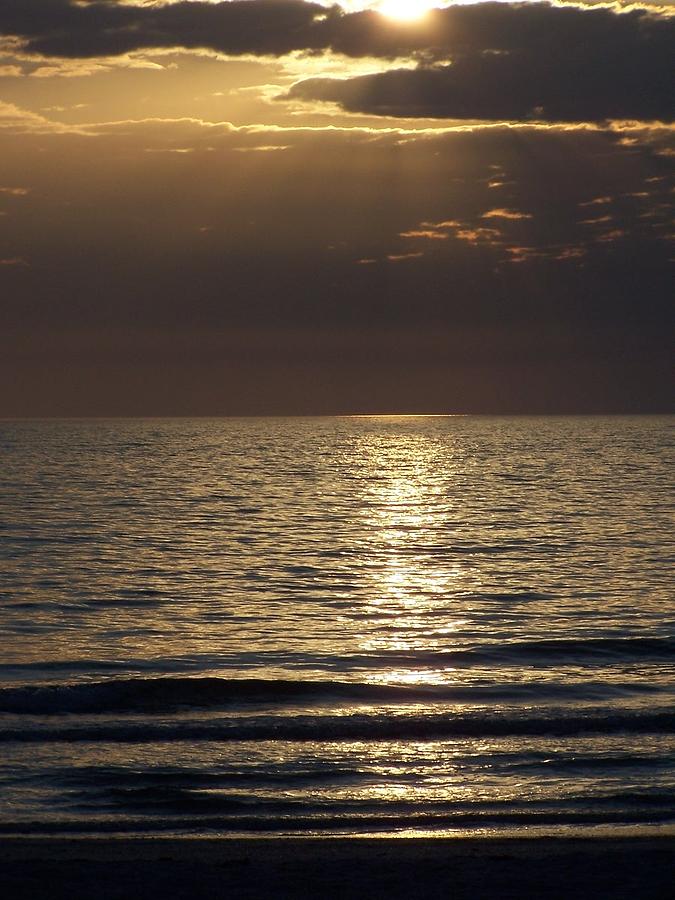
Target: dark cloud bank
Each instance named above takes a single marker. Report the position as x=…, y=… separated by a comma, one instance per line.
x=327, y=276
x=484, y=61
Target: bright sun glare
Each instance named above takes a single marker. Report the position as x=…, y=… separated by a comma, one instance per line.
x=405, y=10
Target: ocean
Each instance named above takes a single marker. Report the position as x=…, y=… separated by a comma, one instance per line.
x=337, y=626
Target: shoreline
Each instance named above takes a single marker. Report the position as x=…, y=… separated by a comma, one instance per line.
x=480, y=868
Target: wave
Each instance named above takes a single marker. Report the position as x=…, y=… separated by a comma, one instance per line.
x=88, y=778
x=340, y=822
x=351, y=728
x=592, y=651
x=586, y=651
x=159, y=695
x=181, y=800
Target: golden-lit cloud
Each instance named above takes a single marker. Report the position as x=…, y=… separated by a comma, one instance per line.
x=479, y=235
x=512, y=214
x=432, y=234
x=400, y=257
x=600, y=220
x=518, y=255
x=597, y=201
x=613, y=234
x=16, y=119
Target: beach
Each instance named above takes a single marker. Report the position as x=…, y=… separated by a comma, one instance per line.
x=553, y=868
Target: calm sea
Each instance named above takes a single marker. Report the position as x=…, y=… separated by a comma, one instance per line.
x=368, y=625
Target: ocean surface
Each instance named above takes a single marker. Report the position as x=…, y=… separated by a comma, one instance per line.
x=370, y=625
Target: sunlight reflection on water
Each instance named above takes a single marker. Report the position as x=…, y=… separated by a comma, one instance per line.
x=373, y=624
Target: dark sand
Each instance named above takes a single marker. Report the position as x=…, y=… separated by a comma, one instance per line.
x=551, y=868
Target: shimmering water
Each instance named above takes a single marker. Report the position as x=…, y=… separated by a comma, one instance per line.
x=339, y=625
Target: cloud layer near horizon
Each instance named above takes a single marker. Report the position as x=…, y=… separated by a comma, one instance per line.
x=197, y=218
x=182, y=266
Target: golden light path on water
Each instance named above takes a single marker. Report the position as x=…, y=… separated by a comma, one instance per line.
x=408, y=585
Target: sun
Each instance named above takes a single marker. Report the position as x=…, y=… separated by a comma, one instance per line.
x=405, y=10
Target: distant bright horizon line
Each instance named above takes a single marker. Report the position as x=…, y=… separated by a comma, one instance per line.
x=409, y=415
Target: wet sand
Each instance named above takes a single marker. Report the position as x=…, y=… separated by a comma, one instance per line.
x=463, y=869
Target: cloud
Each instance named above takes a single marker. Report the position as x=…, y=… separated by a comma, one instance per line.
x=401, y=257
x=488, y=61
x=134, y=257
x=429, y=233
x=506, y=214
x=607, y=66
x=17, y=120
x=262, y=27
x=70, y=29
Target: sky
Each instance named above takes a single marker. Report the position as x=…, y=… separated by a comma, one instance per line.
x=284, y=207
